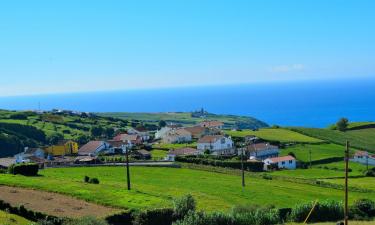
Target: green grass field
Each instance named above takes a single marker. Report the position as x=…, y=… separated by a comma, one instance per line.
x=11, y=219
x=158, y=154
x=361, y=182
x=361, y=139
x=281, y=135
x=357, y=168
x=318, y=152
x=156, y=187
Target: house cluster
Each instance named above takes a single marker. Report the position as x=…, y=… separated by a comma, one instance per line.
x=208, y=136
x=364, y=158
x=211, y=140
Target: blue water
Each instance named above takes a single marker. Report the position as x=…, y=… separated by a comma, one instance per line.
x=314, y=104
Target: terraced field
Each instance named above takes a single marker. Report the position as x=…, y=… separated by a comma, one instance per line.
x=271, y=134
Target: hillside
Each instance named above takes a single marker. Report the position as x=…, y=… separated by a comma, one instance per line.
x=276, y=135
x=186, y=118
x=363, y=139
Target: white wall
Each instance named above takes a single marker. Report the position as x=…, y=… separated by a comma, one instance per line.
x=363, y=160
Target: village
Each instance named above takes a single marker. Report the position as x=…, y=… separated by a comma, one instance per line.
x=208, y=137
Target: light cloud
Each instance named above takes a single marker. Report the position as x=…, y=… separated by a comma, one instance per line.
x=287, y=68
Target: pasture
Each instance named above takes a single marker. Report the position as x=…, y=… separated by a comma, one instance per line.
x=318, y=152
x=363, y=139
x=156, y=187
x=272, y=134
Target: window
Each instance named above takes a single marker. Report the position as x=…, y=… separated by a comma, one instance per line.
x=283, y=163
x=290, y=161
x=223, y=141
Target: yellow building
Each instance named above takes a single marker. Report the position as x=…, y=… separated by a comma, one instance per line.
x=63, y=148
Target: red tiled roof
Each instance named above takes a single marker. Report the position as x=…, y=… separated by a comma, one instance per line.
x=196, y=130
x=258, y=147
x=126, y=137
x=90, y=147
x=116, y=144
x=178, y=132
x=281, y=159
x=210, y=138
x=361, y=153
x=183, y=151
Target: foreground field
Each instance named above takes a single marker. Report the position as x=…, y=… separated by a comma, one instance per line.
x=11, y=219
x=156, y=187
x=281, y=135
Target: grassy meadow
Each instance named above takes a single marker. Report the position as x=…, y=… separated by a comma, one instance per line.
x=363, y=139
x=273, y=134
x=318, y=151
x=156, y=187
x=11, y=219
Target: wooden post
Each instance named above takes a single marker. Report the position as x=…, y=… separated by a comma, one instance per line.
x=127, y=168
x=346, y=182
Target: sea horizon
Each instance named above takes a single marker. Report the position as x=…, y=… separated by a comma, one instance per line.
x=302, y=103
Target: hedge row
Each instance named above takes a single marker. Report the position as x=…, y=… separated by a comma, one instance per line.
x=26, y=169
x=29, y=214
x=249, y=166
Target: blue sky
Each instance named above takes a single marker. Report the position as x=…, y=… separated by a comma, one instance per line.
x=76, y=46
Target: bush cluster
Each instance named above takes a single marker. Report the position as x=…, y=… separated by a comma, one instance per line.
x=29, y=214
x=26, y=169
x=370, y=172
x=89, y=180
x=249, y=166
x=323, y=212
x=362, y=209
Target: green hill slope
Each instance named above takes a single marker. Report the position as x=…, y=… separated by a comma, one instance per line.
x=359, y=138
x=185, y=118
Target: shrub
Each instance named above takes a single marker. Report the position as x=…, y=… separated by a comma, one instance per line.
x=153, y=217
x=267, y=176
x=370, y=172
x=94, y=181
x=26, y=169
x=183, y=205
x=324, y=211
x=362, y=209
x=86, y=179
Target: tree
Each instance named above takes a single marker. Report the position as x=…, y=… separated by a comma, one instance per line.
x=97, y=131
x=162, y=123
x=342, y=124
x=54, y=138
x=109, y=132
x=82, y=139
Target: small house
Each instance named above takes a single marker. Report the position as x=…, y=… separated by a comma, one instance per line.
x=28, y=154
x=212, y=124
x=284, y=162
x=364, y=157
x=171, y=156
x=260, y=151
x=65, y=147
x=142, y=154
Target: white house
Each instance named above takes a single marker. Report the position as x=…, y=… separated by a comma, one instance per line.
x=216, y=145
x=162, y=132
x=177, y=136
x=180, y=152
x=285, y=162
x=364, y=158
x=261, y=151
x=28, y=153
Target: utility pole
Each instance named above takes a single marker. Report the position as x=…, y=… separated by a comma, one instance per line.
x=346, y=182
x=127, y=167
x=242, y=169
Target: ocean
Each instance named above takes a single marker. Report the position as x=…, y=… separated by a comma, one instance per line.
x=313, y=104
